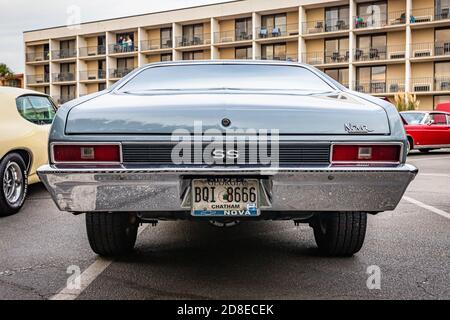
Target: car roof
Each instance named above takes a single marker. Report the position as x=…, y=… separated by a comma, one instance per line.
x=225, y=61
x=17, y=92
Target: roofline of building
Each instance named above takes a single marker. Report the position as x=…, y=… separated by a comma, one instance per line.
x=138, y=15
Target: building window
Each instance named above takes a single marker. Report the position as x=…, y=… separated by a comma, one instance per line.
x=243, y=53
x=243, y=29
x=273, y=51
x=442, y=76
x=336, y=50
x=337, y=18
x=371, y=79
x=340, y=75
x=166, y=38
x=441, y=99
x=442, y=8
x=193, y=35
x=371, y=47
x=193, y=55
x=372, y=14
x=125, y=64
x=442, y=41
x=166, y=57
x=101, y=86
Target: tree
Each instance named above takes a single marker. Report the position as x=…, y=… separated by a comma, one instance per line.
x=5, y=72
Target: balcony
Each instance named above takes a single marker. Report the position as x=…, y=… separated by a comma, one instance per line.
x=38, y=79
x=37, y=56
x=427, y=85
x=92, y=51
x=327, y=57
x=382, y=20
x=380, y=87
x=119, y=73
x=320, y=26
x=197, y=40
x=118, y=48
x=232, y=36
x=380, y=53
x=156, y=44
x=277, y=32
x=429, y=15
x=63, y=99
x=64, y=54
x=430, y=49
x=292, y=57
x=63, y=77
x=92, y=75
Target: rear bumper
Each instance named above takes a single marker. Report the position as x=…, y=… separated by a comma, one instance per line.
x=168, y=189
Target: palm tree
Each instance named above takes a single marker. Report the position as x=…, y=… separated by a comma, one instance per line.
x=5, y=72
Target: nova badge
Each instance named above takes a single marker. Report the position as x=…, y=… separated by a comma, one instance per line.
x=357, y=129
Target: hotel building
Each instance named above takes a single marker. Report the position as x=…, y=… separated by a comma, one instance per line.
x=377, y=47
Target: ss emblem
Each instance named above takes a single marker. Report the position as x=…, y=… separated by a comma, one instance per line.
x=231, y=154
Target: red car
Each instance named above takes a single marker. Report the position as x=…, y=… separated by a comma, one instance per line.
x=427, y=130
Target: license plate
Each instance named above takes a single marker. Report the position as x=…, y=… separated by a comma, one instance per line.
x=225, y=198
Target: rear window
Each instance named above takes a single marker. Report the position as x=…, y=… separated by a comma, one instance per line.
x=413, y=118
x=223, y=76
x=36, y=109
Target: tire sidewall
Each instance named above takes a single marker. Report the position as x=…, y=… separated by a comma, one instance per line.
x=14, y=157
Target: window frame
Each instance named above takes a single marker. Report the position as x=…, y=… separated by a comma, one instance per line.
x=37, y=122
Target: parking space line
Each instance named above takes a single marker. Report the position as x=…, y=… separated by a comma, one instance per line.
x=442, y=175
x=428, y=207
x=88, y=276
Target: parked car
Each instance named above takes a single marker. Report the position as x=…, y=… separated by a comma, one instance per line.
x=24, y=127
x=152, y=148
x=445, y=107
x=427, y=130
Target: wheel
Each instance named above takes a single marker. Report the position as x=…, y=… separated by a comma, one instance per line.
x=13, y=172
x=340, y=234
x=410, y=144
x=112, y=234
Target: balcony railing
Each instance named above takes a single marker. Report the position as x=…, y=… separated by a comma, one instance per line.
x=156, y=44
x=232, y=36
x=64, y=54
x=92, y=75
x=429, y=14
x=277, y=31
x=92, y=51
x=63, y=99
x=374, y=87
x=196, y=40
x=122, y=48
x=439, y=83
x=63, y=77
x=293, y=57
x=327, y=57
x=119, y=73
x=38, y=79
x=430, y=49
x=319, y=26
x=379, y=20
x=38, y=56
x=380, y=53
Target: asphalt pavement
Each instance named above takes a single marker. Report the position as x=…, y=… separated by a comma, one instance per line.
x=259, y=260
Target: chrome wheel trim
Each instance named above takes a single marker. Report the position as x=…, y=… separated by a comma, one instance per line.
x=13, y=183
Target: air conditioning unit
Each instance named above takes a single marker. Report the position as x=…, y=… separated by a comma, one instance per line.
x=422, y=53
x=397, y=55
x=426, y=18
x=422, y=87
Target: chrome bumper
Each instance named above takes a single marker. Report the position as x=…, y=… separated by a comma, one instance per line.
x=167, y=189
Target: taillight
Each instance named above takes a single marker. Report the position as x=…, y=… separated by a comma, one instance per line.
x=85, y=153
x=343, y=154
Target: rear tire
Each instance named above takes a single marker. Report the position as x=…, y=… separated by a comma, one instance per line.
x=112, y=234
x=14, y=184
x=340, y=234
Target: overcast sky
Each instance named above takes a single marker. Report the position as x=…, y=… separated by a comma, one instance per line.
x=21, y=15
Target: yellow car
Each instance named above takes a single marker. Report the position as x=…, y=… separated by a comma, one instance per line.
x=25, y=119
